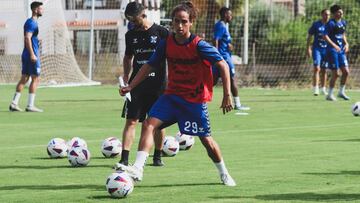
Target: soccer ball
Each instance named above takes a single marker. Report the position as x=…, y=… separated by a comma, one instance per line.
x=185, y=141
x=76, y=142
x=79, y=156
x=355, y=109
x=111, y=147
x=119, y=184
x=57, y=148
x=171, y=146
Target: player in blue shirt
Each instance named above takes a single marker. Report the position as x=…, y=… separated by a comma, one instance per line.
x=318, y=51
x=336, y=51
x=30, y=60
x=222, y=41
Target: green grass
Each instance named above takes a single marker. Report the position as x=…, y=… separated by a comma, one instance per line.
x=293, y=147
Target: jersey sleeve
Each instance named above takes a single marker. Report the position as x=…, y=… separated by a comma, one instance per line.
x=163, y=33
x=128, y=48
x=30, y=26
x=159, y=55
x=218, y=31
x=328, y=28
x=312, y=29
x=208, y=52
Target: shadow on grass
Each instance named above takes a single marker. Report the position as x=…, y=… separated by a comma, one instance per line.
x=103, y=197
x=78, y=100
x=179, y=185
x=348, y=140
x=308, y=196
x=53, y=187
x=49, y=167
x=338, y=173
x=48, y=158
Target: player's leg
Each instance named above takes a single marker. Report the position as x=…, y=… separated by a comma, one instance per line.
x=159, y=140
x=161, y=111
x=127, y=139
x=334, y=66
x=214, y=152
x=35, y=80
x=316, y=79
x=323, y=78
x=14, y=105
x=317, y=60
x=234, y=86
x=344, y=76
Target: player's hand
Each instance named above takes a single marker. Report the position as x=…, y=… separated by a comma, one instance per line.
x=231, y=47
x=226, y=104
x=347, y=48
x=124, y=90
x=126, y=79
x=33, y=58
x=309, y=52
x=337, y=48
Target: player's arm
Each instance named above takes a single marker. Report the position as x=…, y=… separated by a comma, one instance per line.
x=127, y=66
x=308, y=45
x=223, y=67
x=28, y=46
x=212, y=55
x=147, y=68
x=346, y=43
x=329, y=41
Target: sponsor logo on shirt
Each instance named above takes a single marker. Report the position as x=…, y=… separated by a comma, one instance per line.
x=140, y=51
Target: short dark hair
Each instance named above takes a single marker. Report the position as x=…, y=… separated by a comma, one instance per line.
x=133, y=9
x=223, y=10
x=324, y=10
x=335, y=8
x=35, y=5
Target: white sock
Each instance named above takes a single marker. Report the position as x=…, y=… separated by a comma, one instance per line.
x=221, y=167
x=237, y=101
x=31, y=100
x=140, y=161
x=342, y=89
x=323, y=89
x=331, y=90
x=16, y=98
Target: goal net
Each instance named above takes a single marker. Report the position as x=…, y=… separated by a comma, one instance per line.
x=58, y=64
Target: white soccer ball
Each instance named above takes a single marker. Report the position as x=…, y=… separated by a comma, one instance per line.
x=171, y=146
x=355, y=109
x=57, y=148
x=119, y=184
x=185, y=141
x=79, y=156
x=111, y=147
x=76, y=142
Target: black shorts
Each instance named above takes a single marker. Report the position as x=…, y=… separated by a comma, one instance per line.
x=139, y=106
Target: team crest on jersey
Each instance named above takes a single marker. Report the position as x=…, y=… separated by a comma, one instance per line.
x=153, y=39
x=135, y=41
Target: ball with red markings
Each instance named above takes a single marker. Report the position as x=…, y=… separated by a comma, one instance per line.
x=119, y=184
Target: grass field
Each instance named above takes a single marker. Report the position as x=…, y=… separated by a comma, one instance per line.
x=293, y=147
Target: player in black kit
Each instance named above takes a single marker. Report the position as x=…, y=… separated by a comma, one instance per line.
x=141, y=42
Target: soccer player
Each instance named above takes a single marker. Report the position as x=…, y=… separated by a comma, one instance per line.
x=318, y=51
x=222, y=41
x=141, y=42
x=30, y=60
x=338, y=46
x=189, y=87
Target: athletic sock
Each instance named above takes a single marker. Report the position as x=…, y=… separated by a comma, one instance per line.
x=342, y=89
x=237, y=101
x=323, y=89
x=31, y=100
x=140, y=161
x=221, y=167
x=124, y=157
x=316, y=88
x=157, y=154
x=331, y=91
x=16, y=98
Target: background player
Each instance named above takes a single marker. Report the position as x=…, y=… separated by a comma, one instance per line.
x=30, y=60
x=337, y=49
x=189, y=88
x=222, y=41
x=318, y=51
x=141, y=42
